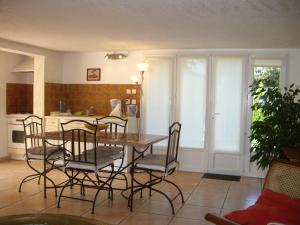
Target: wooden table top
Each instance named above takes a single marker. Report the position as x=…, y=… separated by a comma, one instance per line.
x=128, y=139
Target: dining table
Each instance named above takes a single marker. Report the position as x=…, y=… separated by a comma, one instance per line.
x=135, y=142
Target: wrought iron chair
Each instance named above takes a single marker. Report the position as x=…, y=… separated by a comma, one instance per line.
x=114, y=125
x=165, y=164
x=83, y=160
x=37, y=149
x=282, y=177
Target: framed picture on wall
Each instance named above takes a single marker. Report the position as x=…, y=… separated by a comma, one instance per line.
x=93, y=74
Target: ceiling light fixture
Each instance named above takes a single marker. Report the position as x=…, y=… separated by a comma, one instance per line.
x=115, y=56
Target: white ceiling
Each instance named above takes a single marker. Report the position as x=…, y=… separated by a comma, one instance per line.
x=111, y=25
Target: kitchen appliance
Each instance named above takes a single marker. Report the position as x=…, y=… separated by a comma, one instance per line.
x=15, y=135
x=114, y=102
x=132, y=110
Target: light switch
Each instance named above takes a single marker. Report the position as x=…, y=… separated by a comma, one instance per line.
x=128, y=91
x=133, y=91
x=133, y=101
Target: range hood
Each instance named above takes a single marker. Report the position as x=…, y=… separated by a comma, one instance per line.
x=26, y=66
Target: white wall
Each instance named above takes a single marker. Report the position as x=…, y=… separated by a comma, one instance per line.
x=53, y=59
x=119, y=71
x=294, y=66
x=7, y=62
x=50, y=71
x=112, y=71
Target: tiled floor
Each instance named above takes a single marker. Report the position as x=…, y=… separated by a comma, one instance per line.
x=201, y=196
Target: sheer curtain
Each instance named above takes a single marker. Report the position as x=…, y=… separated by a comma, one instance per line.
x=157, y=96
x=192, y=87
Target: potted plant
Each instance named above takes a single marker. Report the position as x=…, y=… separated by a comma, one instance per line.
x=277, y=127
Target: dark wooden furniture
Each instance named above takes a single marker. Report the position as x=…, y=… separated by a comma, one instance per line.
x=282, y=177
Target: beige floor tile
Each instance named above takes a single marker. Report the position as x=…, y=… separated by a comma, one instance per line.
x=37, y=202
x=158, y=207
x=201, y=195
x=160, y=197
x=9, y=197
x=243, y=192
x=146, y=219
x=109, y=214
x=183, y=221
x=237, y=204
x=70, y=206
x=214, y=201
x=195, y=212
x=6, y=211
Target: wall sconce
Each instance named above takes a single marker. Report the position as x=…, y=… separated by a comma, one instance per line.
x=115, y=56
x=142, y=67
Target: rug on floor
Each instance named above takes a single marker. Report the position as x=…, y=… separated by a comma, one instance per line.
x=221, y=177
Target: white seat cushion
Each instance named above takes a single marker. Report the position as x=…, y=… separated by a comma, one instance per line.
x=104, y=159
x=52, y=152
x=155, y=162
x=101, y=163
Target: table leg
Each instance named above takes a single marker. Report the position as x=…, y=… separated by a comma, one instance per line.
x=44, y=171
x=132, y=176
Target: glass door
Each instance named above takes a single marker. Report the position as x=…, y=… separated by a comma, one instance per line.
x=270, y=71
x=227, y=115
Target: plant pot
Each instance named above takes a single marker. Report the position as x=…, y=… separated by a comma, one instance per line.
x=292, y=153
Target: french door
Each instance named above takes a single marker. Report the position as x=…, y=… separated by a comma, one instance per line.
x=209, y=96
x=227, y=115
x=273, y=70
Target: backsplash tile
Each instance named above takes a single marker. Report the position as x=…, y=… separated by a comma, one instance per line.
x=19, y=98
x=79, y=97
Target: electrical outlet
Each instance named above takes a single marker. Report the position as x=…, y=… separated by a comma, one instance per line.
x=127, y=101
x=133, y=91
x=128, y=91
x=133, y=101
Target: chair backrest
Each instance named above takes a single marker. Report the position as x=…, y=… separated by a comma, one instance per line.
x=79, y=142
x=32, y=125
x=173, y=143
x=115, y=124
x=284, y=177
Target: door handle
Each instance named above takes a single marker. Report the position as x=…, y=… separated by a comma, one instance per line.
x=215, y=114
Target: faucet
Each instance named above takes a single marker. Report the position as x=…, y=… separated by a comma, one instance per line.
x=90, y=111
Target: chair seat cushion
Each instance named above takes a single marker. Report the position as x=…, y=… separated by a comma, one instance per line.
x=104, y=159
x=52, y=152
x=270, y=207
x=155, y=162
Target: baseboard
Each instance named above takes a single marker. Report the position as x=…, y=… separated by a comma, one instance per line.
x=4, y=158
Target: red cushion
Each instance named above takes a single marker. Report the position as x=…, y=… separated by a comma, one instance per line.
x=270, y=207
